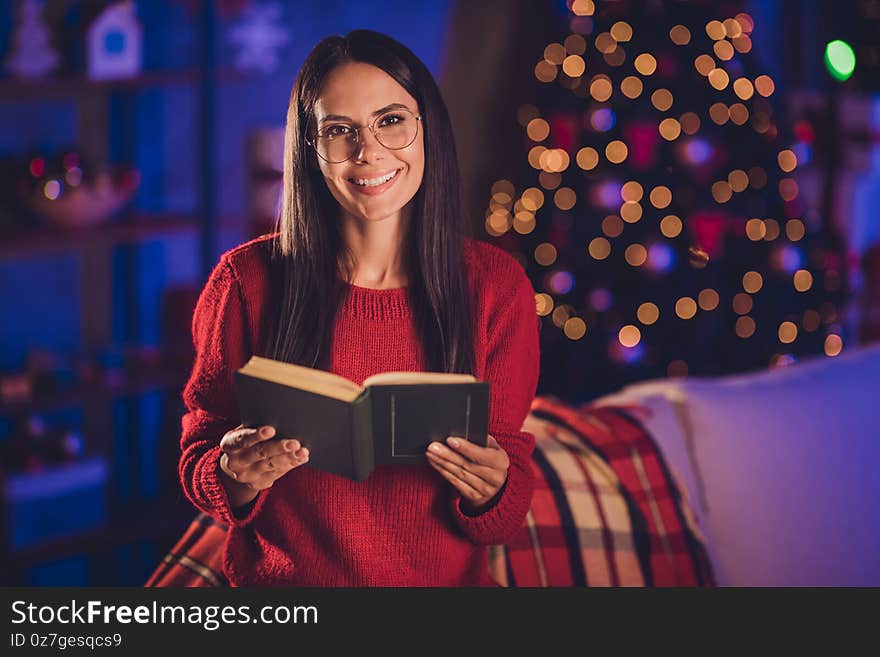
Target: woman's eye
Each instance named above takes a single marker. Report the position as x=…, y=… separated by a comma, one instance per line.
x=336, y=131
x=391, y=119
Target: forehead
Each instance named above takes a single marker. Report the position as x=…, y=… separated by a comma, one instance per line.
x=356, y=89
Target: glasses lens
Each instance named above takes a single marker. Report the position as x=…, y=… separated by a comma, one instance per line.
x=396, y=129
x=337, y=144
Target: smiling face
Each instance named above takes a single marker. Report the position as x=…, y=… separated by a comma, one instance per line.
x=377, y=183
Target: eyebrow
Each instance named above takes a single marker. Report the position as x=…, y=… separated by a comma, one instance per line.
x=340, y=117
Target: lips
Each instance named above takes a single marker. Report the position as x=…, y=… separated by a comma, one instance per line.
x=373, y=185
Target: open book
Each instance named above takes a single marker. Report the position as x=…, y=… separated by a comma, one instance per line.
x=350, y=428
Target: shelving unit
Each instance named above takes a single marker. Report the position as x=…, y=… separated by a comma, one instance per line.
x=132, y=522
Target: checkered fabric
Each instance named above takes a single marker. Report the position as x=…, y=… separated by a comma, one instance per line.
x=606, y=512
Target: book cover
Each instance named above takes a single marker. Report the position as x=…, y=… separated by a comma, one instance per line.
x=349, y=429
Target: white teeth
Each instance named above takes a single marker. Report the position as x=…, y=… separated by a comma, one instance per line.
x=373, y=182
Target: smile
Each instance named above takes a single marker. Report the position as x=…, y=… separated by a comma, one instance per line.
x=374, y=182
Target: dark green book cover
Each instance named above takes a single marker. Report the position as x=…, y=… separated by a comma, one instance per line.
x=350, y=430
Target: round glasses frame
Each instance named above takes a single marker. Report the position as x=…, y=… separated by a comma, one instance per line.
x=357, y=130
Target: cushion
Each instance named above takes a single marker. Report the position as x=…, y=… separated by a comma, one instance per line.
x=606, y=512
x=789, y=459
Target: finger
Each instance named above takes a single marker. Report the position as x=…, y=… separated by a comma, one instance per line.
x=492, y=474
x=492, y=455
x=260, y=435
x=468, y=480
x=232, y=439
x=462, y=487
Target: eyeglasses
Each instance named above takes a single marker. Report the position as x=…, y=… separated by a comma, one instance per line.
x=395, y=129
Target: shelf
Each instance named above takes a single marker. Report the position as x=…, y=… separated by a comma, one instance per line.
x=161, y=520
x=17, y=90
x=132, y=385
x=135, y=228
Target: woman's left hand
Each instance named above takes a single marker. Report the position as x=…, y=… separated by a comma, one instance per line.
x=478, y=473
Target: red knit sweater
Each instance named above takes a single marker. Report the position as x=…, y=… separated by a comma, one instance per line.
x=403, y=526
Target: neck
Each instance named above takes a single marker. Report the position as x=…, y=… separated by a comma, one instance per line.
x=376, y=250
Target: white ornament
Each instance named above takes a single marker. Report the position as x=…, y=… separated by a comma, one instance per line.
x=114, y=43
x=260, y=38
x=31, y=53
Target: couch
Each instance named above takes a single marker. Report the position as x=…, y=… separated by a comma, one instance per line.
x=782, y=467
x=761, y=479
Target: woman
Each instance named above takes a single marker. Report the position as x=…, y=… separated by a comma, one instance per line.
x=371, y=272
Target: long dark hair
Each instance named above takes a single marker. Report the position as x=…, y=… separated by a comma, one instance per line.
x=309, y=247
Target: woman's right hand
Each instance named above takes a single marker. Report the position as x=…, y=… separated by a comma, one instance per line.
x=253, y=460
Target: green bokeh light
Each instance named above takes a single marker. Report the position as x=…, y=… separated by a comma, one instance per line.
x=840, y=59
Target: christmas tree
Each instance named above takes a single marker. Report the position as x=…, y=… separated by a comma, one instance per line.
x=658, y=214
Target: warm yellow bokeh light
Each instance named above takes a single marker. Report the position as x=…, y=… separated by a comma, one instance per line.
x=745, y=327
x=631, y=86
x=503, y=187
x=833, y=345
x=704, y=64
x=742, y=303
x=648, y=313
x=538, y=129
x=629, y=335
x=574, y=66
x=773, y=230
x=543, y=304
x=738, y=180
x=599, y=248
x=621, y=31
x=788, y=189
x=661, y=197
x=764, y=85
x=690, y=123
x=732, y=27
x=554, y=53
x=715, y=30
x=630, y=212
x=565, y=198
x=795, y=229
x=752, y=282
x=721, y=191
x=756, y=230
x=787, y=160
x=680, y=35
x=723, y=50
x=645, y=64
x=549, y=180
x=583, y=7
x=612, y=226
x=575, y=44
x=719, y=113
x=708, y=299
x=545, y=254
x=601, y=89
x=743, y=88
x=636, y=255
x=574, y=328
x=662, y=99
x=616, y=151
x=670, y=226
x=632, y=190
x=535, y=154
x=719, y=79
x=670, y=129
x=546, y=71
x=787, y=332
x=605, y=43
x=587, y=158
x=686, y=308
x=803, y=280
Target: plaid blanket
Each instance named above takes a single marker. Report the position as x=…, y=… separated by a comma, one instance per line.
x=606, y=512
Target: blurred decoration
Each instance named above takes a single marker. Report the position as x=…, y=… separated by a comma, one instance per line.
x=227, y=8
x=259, y=37
x=66, y=191
x=31, y=54
x=659, y=170
x=114, y=39
x=265, y=164
x=840, y=59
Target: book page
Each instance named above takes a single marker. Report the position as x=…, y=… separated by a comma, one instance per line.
x=305, y=378
x=405, y=378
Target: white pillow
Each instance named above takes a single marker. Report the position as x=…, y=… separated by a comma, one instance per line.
x=790, y=460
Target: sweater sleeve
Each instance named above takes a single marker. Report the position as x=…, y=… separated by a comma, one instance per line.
x=222, y=345
x=512, y=369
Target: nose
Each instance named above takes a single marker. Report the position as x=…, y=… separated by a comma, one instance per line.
x=368, y=147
